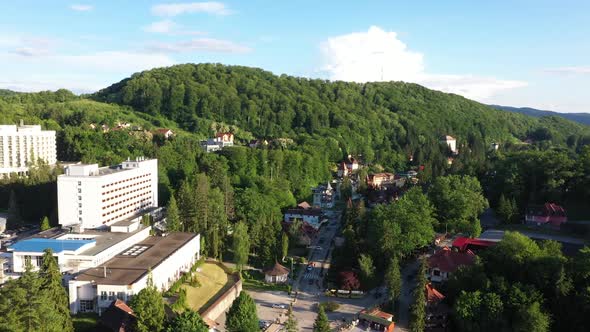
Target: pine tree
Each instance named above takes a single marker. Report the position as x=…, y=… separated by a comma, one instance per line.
x=321, y=323
x=201, y=201
x=172, y=216
x=186, y=207
x=291, y=323
x=242, y=316
x=418, y=309
x=44, y=225
x=284, y=246
x=188, y=321
x=55, y=293
x=148, y=306
x=241, y=245
x=393, y=279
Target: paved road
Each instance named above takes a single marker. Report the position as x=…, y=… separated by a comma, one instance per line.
x=402, y=321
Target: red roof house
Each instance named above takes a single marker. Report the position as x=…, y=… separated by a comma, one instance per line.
x=446, y=261
x=464, y=243
x=549, y=213
x=118, y=317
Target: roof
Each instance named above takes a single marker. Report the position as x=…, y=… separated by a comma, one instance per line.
x=448, y=137
x=117, y=316
x=432, y=295
x=225, y=133
x=127, y=269
x=306, y=212
x=276, y=270
x=462, y=243
x=304, y=205
x=377, y=316
x=57, y=246
x=163, y=130
x=448, y=260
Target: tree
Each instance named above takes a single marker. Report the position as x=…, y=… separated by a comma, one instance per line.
x=507, y=209
x=189, y=321
x=44, y=225
x=393, y=279
x=172, y=217
x=186, y=207
x=60, y=319
x=321, y=323
x=291, y=322
x=148, y=306
x=241, y=245
x=367, y=269
x=418, y=309
x=242, y=316
x=284, y=246
x=458, y=201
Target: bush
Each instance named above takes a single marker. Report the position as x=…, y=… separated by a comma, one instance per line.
x=330, y=306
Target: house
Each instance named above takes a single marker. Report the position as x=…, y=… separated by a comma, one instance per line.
x=220, y=141
x=376, y=319
x=495, y=146
x=446, y=261
x=377, y=180
x=118, y=317
x=451, y=142
x=304, y=205
x=347, y=166
x=255, y=143
x=323, y=196
x=276, y=274
x=437, y=312
x=311, y=216
x=164, y=132
x=549, y=213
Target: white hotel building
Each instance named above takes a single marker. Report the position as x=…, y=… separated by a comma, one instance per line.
x=23, y=145
x=102, y=248
x=93, y=197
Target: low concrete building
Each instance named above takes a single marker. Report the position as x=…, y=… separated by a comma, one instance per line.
x=122, y=277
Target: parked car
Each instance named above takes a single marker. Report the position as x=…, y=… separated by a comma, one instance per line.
x=263, y=324
x=279, y=306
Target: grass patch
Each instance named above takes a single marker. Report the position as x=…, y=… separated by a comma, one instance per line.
x=212, y=279
x=254, y=280
x=87, y=322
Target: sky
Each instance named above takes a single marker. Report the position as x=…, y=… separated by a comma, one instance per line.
x=515, y=53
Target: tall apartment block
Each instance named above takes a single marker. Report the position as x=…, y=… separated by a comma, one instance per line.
x=22, y=145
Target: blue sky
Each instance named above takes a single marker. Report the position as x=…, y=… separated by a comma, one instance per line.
x=517, y=53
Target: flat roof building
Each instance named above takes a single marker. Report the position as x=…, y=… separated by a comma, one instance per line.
x=97, y=197
x=23, y=145
x=126, y=274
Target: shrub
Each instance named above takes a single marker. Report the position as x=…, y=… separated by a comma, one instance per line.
x=330, y=306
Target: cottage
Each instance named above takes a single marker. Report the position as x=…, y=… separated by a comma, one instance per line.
x=276, y=274
x=437, y=312
x=451, y=142
x=446, y=261
x=311, y=216
x=118, y=317
x=549, y=213
x=164, y=132
x=220, y=141
x=348, y=166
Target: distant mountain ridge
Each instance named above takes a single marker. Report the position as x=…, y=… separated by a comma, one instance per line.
x=583, y=118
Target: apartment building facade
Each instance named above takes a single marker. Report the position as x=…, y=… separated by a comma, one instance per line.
x=23, y=145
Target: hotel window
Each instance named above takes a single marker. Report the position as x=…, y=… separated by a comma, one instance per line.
x=121, y=295
x=79, y=198
x=103, y=296
x=111, y=296
x=39, y=260
x=79, y=190
x=79, y=183
x=86, y=305
x=80, y=212
x=79, y=205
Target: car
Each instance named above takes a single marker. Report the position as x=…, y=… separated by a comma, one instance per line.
x=263, y=324
x=279, y=306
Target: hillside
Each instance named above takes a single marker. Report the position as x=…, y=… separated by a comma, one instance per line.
x=383, y=122
x=583, y=118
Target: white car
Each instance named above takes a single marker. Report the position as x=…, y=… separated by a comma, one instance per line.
x=279, y=306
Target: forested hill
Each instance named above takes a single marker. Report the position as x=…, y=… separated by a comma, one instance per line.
x=583, y=118
x=381, y=121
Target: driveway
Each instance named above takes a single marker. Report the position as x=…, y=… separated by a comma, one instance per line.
x=406, y=298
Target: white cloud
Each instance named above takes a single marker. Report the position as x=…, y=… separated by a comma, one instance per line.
x=32, y=47
x=165, y=26
x=174, y=9
x=81, y=8
x=200, y=45
x=579, y=70
x=378, y=55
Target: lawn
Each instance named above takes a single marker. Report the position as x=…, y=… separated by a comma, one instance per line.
x=212, y=279
x=86, y=322
x=254, y=280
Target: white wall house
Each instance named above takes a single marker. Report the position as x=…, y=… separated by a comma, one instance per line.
x=93, y=197
x=313, y=217
x=125, y=275
x=220, y=141
x=451, y=142
x=23, y=145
